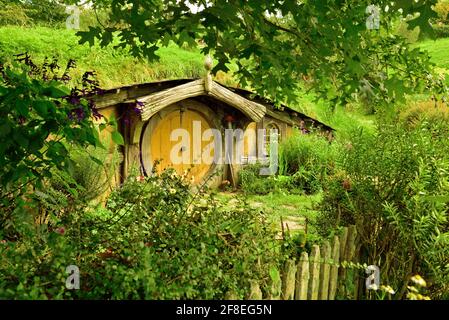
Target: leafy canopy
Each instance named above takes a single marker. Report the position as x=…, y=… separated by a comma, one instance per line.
x=277, y=44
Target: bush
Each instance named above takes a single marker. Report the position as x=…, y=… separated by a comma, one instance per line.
x=251, y=182
x=38, y=12
x=12, y=14
x=442, y=9
x=441, y=30
x=304, y=161
x=154, y=240
x=394, y=187
x=41, y=118
x=431, y=112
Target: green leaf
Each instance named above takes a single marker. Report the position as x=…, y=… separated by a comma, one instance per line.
x=117, y=138
x=96, y=160
x=22, y=107
x=89, y=36
x=20, y=139
x=42, y=107
x=5, y=129
x=56, y=92
x=274, y=274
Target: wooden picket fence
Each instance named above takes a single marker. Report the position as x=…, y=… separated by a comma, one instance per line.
x=318, y=276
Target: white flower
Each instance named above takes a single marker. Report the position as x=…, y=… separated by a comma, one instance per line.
x=388, y=289
x=172, y=191
x=419, y=280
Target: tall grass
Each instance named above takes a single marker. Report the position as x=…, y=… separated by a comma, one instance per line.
x=308, y=159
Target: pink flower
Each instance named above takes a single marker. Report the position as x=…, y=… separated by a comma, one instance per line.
x=140, y=178
x=60, y=230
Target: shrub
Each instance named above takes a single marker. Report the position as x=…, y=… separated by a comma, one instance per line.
x=13, y=14
x=394, y=186
x=430, y=113
x=442, y=9
x=154, y=240
x=304, y=161
x=251, y=182
x=40, y=119
x=32, y=13
x=441, y=30
x=86, y=182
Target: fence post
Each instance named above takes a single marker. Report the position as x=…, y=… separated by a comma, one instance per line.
x=343, y=240
x=349, y=256
x=302, y=277
x=324, y=271
x=288, y=290
x=314, y=273
x=255, y=292
x=334, y=268
x=342, y=271
x=350, y=244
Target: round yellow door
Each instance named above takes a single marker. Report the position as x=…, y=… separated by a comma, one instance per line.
x=180, y=140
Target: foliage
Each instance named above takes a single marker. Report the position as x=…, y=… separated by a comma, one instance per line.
x=304, y=161
x=338, y=53
x=307, y=158
x=252, y=182
x=154, y=240
x=41, y=118
x=86, y=182
x=31, y=13
x=430, y=111
x=295, y=244
x=394, y=186
x=442, y=9
x=402, y=30
x=442, y=31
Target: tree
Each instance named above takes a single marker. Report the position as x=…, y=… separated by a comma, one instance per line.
x=275, y=44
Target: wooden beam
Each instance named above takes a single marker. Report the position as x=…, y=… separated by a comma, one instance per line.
x=155, y=102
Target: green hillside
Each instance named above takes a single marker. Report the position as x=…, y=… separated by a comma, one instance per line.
x=114, y=67
x=438, y=50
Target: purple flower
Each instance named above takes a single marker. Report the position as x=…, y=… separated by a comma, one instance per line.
x=80, y=114
x=137, y=111
x=138, y=107
x=97, y=115
x=77, y=113
x=74, y=100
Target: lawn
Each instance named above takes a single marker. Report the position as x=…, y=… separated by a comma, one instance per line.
x=438, y=50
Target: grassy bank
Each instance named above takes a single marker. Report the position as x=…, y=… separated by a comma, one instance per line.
x=115, y=67
x=438, y=51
